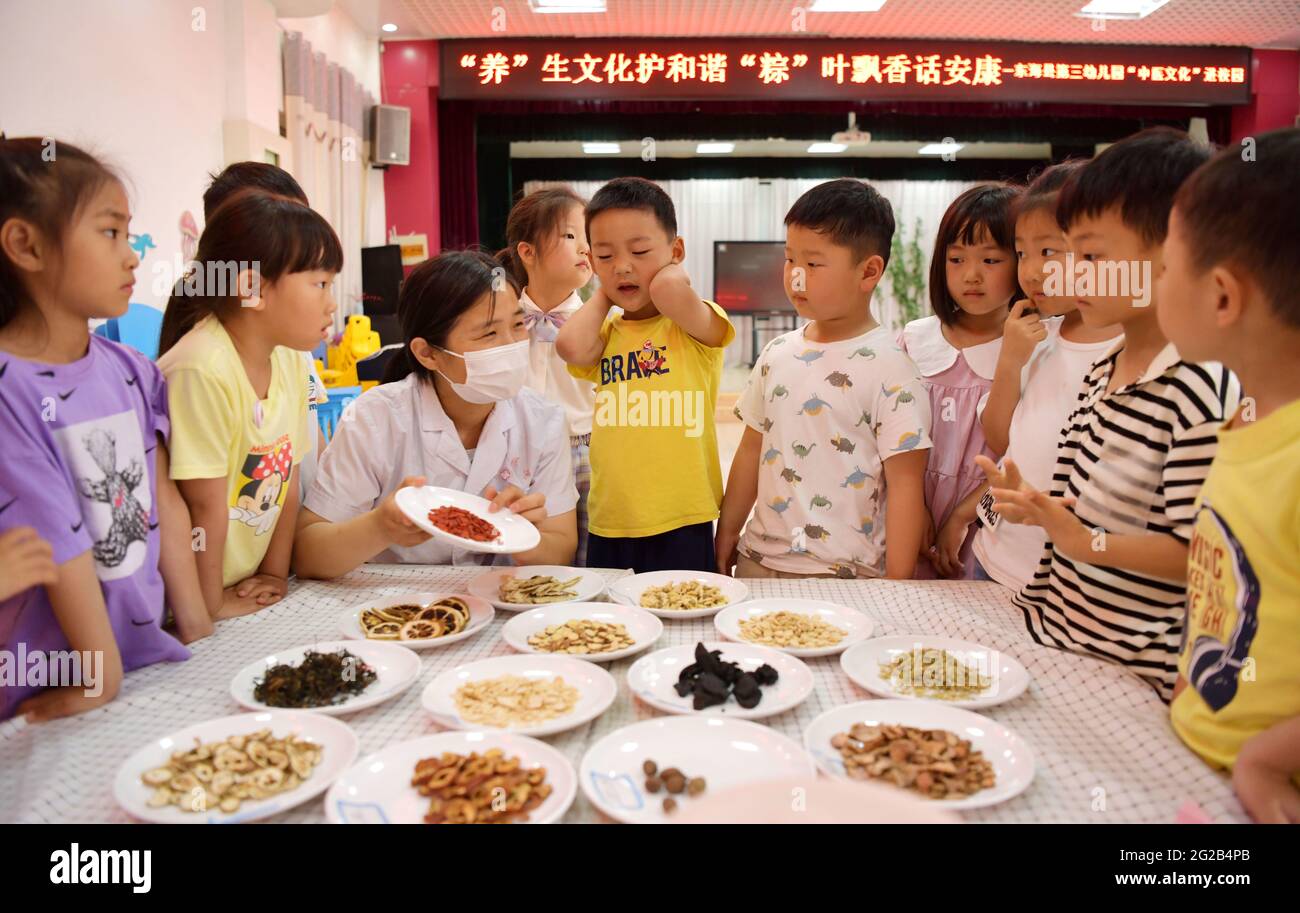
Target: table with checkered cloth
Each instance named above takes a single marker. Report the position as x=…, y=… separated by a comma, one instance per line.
x=1104, y=746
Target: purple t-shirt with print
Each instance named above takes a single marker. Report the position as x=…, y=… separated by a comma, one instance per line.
x=79, y=467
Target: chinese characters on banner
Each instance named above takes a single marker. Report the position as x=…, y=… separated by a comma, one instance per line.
x=824, y=68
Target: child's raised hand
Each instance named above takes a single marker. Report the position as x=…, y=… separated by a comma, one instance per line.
x=395, y=526
x=531, y=507
x=669, y=276
x=1019, y=502
x=28, y=561
x=1006, y=477
x=1021, y=333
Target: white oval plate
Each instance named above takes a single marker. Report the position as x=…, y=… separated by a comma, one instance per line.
x=517, y=534
x=856, y=626
x=338, y=751
x=628, y=590
x=596, y=690
x=377, y=789
x=488, y=586
x=726, y=753
x=643, y=627
x=652, y=678
x=1011, y=756
x=480, y=616
x=396, y=669
x=862, y=665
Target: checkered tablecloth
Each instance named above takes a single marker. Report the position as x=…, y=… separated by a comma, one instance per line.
x=1104, y=746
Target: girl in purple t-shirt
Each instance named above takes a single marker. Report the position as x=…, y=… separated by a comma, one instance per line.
x=84, y=423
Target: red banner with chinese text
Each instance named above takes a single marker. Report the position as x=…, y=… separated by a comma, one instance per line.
x=853, y=69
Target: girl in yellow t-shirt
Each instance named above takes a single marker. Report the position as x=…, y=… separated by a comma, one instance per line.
x=259, y=294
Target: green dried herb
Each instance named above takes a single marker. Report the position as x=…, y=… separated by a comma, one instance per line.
x=320, y=680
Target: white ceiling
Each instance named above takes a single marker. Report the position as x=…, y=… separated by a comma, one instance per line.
x=780, y=148
x=1252, y=23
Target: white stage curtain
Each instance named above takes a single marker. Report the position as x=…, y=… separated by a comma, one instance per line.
x=753, y=209
x=325, y=113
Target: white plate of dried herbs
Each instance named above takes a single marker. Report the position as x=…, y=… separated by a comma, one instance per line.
x=953, y=757
x=960, y=673
x=333, y=677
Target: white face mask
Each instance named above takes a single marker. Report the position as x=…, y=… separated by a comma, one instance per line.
x=492, y=375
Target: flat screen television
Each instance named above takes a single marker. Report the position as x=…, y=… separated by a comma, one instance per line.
x=747, y=276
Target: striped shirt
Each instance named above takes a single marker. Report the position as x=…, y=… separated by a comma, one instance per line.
x=1134, y=459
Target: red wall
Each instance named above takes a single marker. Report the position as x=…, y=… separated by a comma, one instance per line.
x=1275, y=85
x=410, y=72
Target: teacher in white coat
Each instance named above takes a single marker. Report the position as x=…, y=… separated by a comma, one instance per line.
x=456, y=415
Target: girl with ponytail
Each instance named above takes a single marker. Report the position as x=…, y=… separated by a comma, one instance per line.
x=548, y=255
x=257, y=296
x=94, y=538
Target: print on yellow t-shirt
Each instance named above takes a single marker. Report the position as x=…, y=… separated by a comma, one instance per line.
x=260, y=488
x=1222, y=609
x=654, y=449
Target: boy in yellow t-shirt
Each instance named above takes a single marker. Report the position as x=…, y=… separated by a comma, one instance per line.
x=656, y=483
x=1231, y=270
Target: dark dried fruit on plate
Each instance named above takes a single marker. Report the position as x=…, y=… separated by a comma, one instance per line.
x=712, y=680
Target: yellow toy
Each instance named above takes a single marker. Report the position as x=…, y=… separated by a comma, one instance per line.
x=358, y=342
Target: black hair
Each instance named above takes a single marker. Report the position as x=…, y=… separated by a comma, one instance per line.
x=271, y=234
x=433, y=298
x=984, y=208
x=1140, y=175
x=533, y=220
x=1045, y=188
x=1246, y=212
x=45, y=182
x=250, y=176
x=634, y=193
x=851, y=213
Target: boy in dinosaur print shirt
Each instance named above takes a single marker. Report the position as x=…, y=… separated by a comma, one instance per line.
x=838, y=423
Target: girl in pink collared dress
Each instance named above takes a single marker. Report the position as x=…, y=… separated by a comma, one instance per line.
x=972, y=284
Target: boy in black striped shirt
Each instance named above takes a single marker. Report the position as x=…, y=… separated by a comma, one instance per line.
x=1132, y=456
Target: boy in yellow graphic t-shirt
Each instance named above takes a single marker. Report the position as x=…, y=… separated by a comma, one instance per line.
x=1231, y=270
x=655, y=478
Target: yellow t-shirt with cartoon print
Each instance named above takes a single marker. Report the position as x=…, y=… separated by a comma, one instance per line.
x=654, y=446
x=221, y=429
x=1238, y=673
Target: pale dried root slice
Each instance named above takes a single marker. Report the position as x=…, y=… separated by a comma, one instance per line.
x=223, y=775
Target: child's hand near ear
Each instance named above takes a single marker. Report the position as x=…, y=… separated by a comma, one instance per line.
x=671, y=276
x=27, y=559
